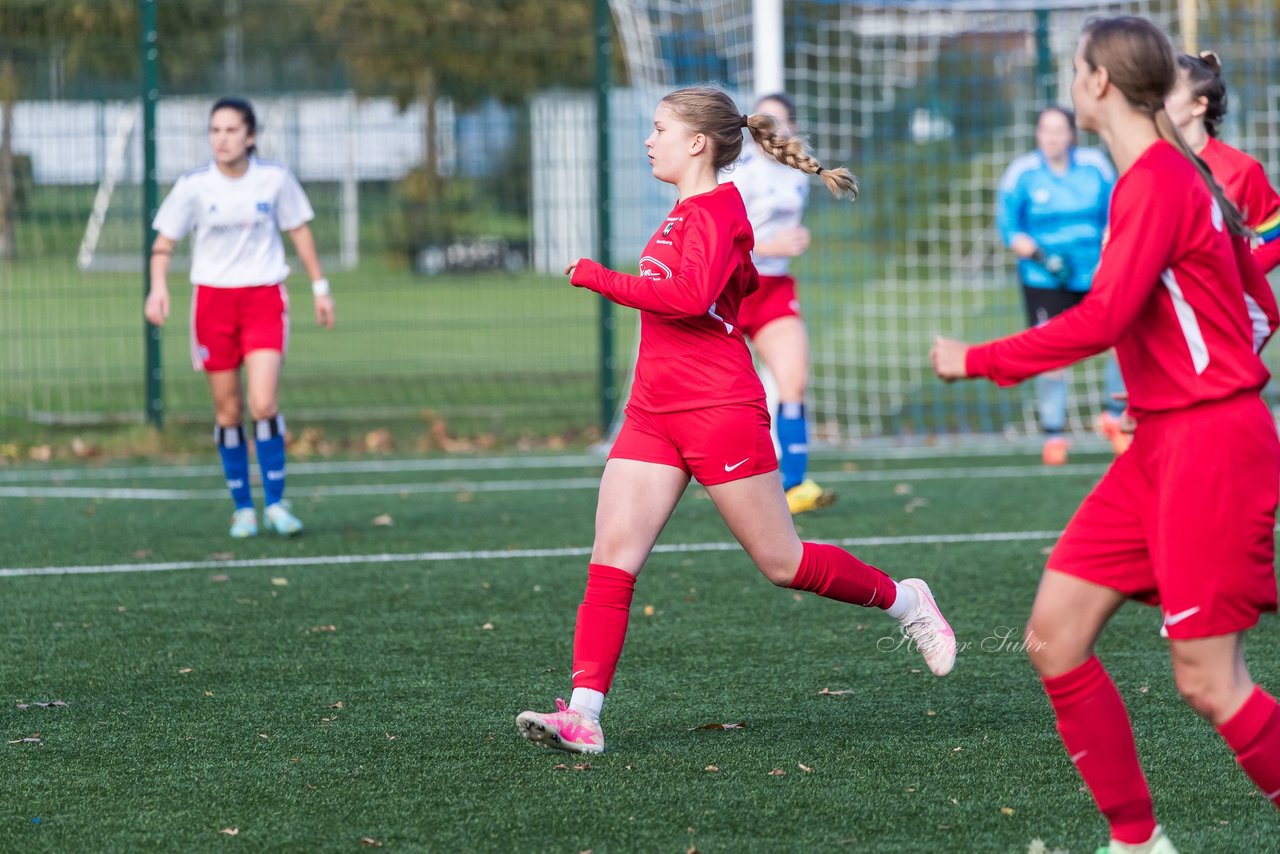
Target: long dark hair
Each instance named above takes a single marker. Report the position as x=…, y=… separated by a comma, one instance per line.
x=1142, y=65
x=245, y=109
x=1204, y=72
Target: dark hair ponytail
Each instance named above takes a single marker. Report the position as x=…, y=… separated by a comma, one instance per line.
x=1204, y=72
x=245, y=109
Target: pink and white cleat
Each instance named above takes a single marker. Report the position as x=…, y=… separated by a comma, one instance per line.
x=563, y=729
x=928, y=629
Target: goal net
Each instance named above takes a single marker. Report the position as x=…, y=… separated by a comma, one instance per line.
x=928, y=102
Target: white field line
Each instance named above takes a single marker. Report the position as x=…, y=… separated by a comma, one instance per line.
x=510, y=554
x=451, y=487
x=29, y=474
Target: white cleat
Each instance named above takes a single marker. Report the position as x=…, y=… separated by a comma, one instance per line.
x=278, y=518
x=928, y=629
x=244, y=523
x=1157, y=844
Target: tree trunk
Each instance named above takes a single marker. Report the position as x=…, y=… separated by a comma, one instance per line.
x=8, y=95
x=430, y=155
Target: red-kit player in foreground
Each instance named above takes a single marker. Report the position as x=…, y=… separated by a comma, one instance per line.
x=1185, y=518
x=697, y=410
x=1197, y=105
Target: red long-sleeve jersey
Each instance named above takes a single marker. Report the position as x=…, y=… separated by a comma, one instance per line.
x=1169, y=295
x=1246, y=185
x=694, y=272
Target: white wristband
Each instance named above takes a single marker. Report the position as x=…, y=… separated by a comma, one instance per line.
x=320, y=288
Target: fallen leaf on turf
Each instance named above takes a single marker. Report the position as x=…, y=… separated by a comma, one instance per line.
x=931, y=713
x=34, y=738
x=230, y=831
x=263, y=735
x=23, y=707
x=1006, y=811
x=487, y=627
x=184, y=669
x=956, y=749
x=383, y=521
x=777, y=772
x=805, y=768
x=902, y=489
x=337, y=705
x=827, y=692
x=915, y=504
x=370, y=842
x=208, y=693
x=141, y=554
x=222, y=556
x=649, y=610
x=323, y=629
x=217, y=579
x=280, y=582
x=712, y=768
x=738, y=725
x=389, y=736
x=954, y=801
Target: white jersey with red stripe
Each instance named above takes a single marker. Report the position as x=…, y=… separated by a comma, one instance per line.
x=1169, y=295
x=775, y=196
x=237, y=222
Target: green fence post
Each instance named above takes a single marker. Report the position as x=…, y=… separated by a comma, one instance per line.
x=604, y=207
x=1046, y=85
x=150, y=94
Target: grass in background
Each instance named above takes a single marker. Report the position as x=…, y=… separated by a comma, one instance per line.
x=208, y=700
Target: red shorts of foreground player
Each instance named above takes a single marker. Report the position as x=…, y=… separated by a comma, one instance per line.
x=775, y=298
x=227, y=323
x=713, y=445
x=1185, y=518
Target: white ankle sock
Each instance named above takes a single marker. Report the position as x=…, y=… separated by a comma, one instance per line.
x=587, y=702
x=907, y=599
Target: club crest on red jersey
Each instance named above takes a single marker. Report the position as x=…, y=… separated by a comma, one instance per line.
x=670, y=225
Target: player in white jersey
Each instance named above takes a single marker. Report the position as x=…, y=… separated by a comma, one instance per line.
x=236, y=205
x=775, y=196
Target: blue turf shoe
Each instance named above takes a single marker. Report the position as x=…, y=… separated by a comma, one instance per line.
x=278, y=518
x=244, y=523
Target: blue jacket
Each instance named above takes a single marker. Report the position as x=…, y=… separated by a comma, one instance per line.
x=1065, y=214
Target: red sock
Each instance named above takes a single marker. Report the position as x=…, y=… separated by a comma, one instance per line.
x=1096, y=731
x=1253, y=734
x=602, y=626
x=834, y=573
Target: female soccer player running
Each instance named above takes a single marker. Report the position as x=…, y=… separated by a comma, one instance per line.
x=1197, y=104
x=237, y=205
x=1185, y=518
x=697, y=410
x=775, y=197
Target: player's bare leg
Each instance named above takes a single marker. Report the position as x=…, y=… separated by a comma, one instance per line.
x=233, y=448
x=756, y=511
x=783, y=346
x=1212, y=677
x=262, y=369
x=636, y=500
x=1066, y=619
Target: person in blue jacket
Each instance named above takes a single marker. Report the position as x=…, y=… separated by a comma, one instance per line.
x=1051, y=209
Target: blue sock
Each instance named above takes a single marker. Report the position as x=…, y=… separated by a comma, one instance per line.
x=235, y=463
x=793, y=436
x=268, y=434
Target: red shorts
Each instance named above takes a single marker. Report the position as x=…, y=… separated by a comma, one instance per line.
x=1185, y=518
x=775, y=298
x=227, y=323
x=713, y=445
